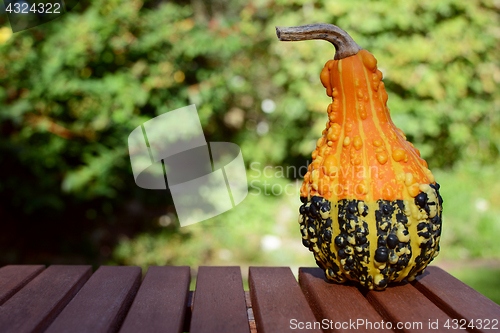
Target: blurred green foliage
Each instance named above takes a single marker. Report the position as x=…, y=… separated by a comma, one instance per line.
x=72, y=90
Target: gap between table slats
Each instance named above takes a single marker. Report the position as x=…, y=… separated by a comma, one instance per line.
x=251, y=317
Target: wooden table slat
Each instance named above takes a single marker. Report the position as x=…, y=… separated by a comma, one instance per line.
x=456, y=298
x=14, y=277
x=36, y=305
x=161, y=302
x=405, y=304
x=102, y=303
x=60, y=299
x=219, y=301
x=277, y=301
x=339, y=304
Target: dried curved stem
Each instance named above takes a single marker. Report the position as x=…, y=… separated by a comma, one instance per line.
x=345, y=46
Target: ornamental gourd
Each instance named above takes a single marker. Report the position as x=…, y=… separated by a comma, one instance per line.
x=371, y=208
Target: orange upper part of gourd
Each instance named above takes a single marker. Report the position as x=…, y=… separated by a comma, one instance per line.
x=361, y=153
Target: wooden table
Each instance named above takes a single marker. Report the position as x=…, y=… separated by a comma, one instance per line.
x=114, y=298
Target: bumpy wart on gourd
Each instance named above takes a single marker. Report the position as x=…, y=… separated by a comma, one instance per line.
x=371, y=208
